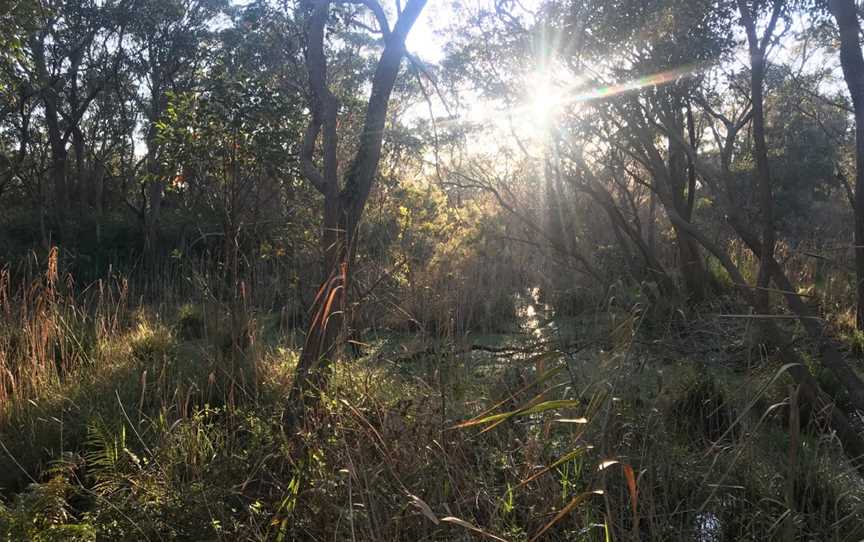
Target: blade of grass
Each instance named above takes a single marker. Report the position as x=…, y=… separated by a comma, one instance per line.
x=576, y=501
x=533, y=409
x=569, y=456
x=470, y=527
x=544, y=377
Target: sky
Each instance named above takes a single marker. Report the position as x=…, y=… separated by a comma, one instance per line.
x=424, y=41
x=428, y=42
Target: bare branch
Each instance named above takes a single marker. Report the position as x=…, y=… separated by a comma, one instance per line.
x=380, y=16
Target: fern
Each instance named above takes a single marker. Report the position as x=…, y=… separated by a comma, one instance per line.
x=42, y=514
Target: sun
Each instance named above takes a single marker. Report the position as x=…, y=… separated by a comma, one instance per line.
x=544, y=104
x=544, y=99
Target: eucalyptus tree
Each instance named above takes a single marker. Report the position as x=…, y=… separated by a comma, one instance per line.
x=345, y=200
x=654, y=53
x=758, y=46
x=69, y=60
x=230, y=141
x=846, y=15
x=168, y=42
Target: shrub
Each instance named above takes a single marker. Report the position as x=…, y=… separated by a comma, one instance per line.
x=190, y=322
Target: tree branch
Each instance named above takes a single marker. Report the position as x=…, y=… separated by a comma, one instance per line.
x=322, y=105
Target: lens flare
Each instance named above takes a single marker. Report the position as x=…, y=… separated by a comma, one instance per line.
x=653, y=80
x=546, y=97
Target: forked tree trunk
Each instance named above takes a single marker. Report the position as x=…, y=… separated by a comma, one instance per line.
x=56, y=140
x=758, y=51
x=343, y=206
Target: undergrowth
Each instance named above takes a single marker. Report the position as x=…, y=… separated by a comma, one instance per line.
x=156, y=423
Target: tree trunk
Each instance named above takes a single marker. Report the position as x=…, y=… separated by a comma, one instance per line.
x=692, y=266
x=760, y=148
x=97, y=196
x=652, y=224
x=153, y=211
x=319, y=347
x=154, y=183
x=690, y=262
x=58, y=177
x=852, y=62
x=76, y=182
x=56, y=140
x=81, y=185
x=558, y=234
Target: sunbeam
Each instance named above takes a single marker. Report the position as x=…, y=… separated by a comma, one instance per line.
x=546, y=97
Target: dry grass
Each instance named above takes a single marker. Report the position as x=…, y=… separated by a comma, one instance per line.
x=161, y=421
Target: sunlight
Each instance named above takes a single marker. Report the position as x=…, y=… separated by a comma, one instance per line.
x=547, y=96
x=544, y=102
x=544, y=98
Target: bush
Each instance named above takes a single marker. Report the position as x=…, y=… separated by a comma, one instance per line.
x=42, y=513
x=190, y=322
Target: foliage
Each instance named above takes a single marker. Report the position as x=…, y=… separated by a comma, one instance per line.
x=554, y=327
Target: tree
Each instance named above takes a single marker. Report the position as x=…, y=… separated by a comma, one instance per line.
x=758, y=49
x=845, y=13
x=343, y=202
x=167, y=37
x=669, y=41
x=230, y=144
x=65, y=67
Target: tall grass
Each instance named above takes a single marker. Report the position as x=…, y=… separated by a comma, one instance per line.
x=48, y=333
x=126, y=417
x=70, y=355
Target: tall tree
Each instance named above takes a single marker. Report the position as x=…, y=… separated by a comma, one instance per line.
x=343, y=201
x=758, y=49
x=845, y=14
x=168, y=37
x=668, y=41
x=59, y=54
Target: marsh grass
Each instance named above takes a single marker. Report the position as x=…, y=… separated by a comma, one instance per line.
x=124, y=420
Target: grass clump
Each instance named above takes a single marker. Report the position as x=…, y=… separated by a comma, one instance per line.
x=190, y=322
x=702, y=409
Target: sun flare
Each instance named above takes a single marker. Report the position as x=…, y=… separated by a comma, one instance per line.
x=544, y=104
x=543, y=101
